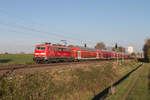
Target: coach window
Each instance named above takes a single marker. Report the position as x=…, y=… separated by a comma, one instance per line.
x=64, y=49
x=55, y=49
x=60, y=49
x=68, y=50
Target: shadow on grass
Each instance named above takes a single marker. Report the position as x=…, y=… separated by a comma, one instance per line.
x=102, y=95
x=144, y=60
x=5, y=60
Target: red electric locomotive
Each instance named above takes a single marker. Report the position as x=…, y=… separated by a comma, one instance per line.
x=47, y=53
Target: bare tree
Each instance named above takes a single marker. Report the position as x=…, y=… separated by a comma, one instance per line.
x=70, y=45
x=146, y=50
x=100, y=45
x=119, y=49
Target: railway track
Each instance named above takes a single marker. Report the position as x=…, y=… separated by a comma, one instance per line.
x=10, y=69
x=23, y=66
x=6, y=71
x=16, y=67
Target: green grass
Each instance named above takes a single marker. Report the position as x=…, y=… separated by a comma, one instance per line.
x=9, y=59
x=140, y=90
x=75, y=84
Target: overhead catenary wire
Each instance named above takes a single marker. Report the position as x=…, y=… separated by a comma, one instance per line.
x=31, y=35
x=2, y=11
x=15, y=25
x=20, y=26
x=34, y=23
x=36, y=31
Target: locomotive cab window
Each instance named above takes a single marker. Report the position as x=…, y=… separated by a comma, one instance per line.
x=40, y=48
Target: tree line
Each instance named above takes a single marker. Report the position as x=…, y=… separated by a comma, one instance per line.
x=102, y=46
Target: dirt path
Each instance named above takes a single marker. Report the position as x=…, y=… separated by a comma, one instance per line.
x=133, y=84
x=135, y=87
x=141, y=91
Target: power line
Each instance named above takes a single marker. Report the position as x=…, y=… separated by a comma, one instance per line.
x=35, y=23
x=34, y=30
x=32, y=22
x=37, y=30
x=31, y=35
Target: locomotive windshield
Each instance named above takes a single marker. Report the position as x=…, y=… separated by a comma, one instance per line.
x=40, y=48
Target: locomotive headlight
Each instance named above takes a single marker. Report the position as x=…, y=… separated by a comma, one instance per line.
x=36, y=53
x=42, y=53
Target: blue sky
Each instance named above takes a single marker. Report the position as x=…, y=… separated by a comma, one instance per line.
x=25, y=23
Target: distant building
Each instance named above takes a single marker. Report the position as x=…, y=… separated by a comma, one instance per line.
x=130, y=49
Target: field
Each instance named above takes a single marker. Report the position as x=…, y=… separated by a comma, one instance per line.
x=71, y=82
x=9, y=59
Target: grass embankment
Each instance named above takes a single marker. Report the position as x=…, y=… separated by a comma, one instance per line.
x=140, y=90
x=64, y=84
x=10, y=59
